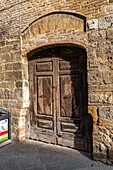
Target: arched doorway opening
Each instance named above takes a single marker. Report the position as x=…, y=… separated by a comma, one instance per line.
x=58, y=97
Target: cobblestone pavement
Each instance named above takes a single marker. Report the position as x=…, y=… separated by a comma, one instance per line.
x=32, y=155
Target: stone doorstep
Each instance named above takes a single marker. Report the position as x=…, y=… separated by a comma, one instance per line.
x=47, y=145
x=5, y=143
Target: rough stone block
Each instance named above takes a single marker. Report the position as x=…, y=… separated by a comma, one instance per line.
x=97, y=137
x=19, y=84
x=100, y=157
x=0, y=68
x=5, y=58
x=105, y=22
x=17, y=75
x=107, y=77
x=18, y=93
x=103, y=130
x=3, y=84
x=106, y=112
x=2, y=43
x=110, y=33
x=8, y=94
x=15, y=56
x=99, y=97
x=19, y=104
x=102, y=35
x=92, y=24
x=50, y=24
x=10, y=85
x=16, y=46
x=12, y=104
x=92, y=36
x=1, y=103
x=1, y=36
x=9, y=76
x=1, y=94
x=94, y=77
x=1, y=76
x=34, y=30
x=7, y=49
x=110, y=154
x=14, y=128
x=92, y=50
x=8, y=67
x=17, y=66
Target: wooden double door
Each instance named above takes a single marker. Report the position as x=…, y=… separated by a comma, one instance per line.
x=58, y=98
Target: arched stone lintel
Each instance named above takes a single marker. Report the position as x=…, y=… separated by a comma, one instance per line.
x=77, y=14
x=29, y=53
x=54, y=23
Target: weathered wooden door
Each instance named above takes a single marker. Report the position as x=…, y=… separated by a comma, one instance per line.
x=58, y=98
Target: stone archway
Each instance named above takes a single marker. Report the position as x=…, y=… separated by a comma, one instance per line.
x=54, y=28
x=58, y=97
x=57, y=30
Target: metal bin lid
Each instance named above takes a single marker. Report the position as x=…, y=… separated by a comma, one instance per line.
x=3, y=111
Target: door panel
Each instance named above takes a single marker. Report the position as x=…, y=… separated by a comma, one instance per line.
x=69, y=96
x=58, y=98
x=69, y=65
x=41, y=100
x=46, y=66
x=69, y=119
x=44, y=97
x=44, y=102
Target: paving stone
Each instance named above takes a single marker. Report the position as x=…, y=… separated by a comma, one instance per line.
x=23, y=156
x=66, y=164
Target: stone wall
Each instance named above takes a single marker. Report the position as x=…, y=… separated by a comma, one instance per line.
x=100, y=83
x=18, y=16
x=12, y=68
